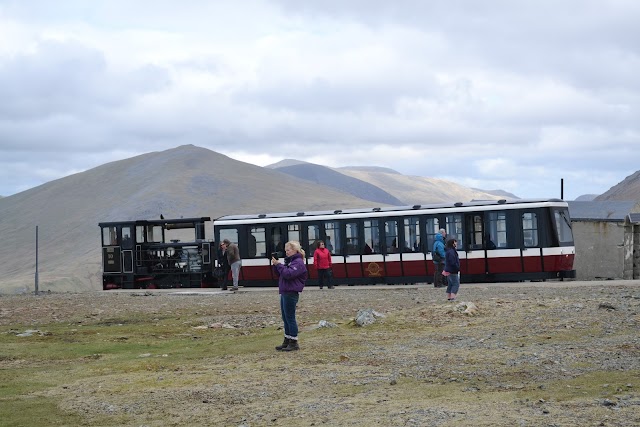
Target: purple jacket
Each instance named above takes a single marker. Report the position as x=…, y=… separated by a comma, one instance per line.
x=293, y=274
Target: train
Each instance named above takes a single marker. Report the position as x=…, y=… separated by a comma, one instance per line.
x=498, y=241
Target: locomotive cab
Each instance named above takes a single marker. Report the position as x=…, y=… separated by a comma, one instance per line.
x=149, y=254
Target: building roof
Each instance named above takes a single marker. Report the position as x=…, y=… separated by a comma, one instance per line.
x=634, y=218
x=602, y=210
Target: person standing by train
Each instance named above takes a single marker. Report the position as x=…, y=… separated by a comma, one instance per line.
x=292, y=278
x=322, y=261
x=233, y=256
x=223, y=264
x=451, y=269
x=438, y=255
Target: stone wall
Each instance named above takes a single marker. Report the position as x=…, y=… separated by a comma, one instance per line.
x=602, y=250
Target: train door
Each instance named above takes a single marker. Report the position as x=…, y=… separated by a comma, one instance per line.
x=312, y=236
x=332, y=233
x=111, y=250
x=413, y=257
x=259, y=238
x=453, y=225
x=352, y=249
x=477, y=262
x=372, y=256
x=432, y=227
x=500, y=243
x=329, y=232
x=392, y=257
x=127, y=249
x=530, y=244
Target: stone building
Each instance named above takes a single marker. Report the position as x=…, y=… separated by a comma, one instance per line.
x=607, y=239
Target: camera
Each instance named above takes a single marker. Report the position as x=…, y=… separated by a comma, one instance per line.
x=274, y=255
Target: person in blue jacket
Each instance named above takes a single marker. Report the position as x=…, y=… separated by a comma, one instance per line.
x=451, y=269
x=438, y=259
x=292, y=278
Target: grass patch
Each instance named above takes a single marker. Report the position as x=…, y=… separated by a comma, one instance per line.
x=35, y=411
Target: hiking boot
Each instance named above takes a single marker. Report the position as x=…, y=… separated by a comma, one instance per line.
x=293, y=345
x=284, y=344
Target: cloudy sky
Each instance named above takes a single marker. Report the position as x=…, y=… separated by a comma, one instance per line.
x=494, y=94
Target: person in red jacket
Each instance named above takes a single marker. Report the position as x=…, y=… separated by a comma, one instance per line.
x=322, y=261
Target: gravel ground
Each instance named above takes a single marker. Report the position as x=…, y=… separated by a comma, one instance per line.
x=524, y=354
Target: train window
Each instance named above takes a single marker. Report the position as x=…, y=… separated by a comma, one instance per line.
x=230, y=234
x=313, y=234
x=433, y=227
x=109, y=236
x=454, y=229
x=412, y=234
x=496, y=235
x=293, y=232
x=530, y=229
x=353, y=243
x=371, y=237
x=332, y=231
x=391, y=234
x=154, y=234
x=127, y=242
x=275, y=241
x=257, y=244
x=476, y=234
x=563, y=226
x=139, y=233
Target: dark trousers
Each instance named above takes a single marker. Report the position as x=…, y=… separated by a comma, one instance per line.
x=324, y=277
x=226, y=278
x=288, y=302
x=438, y=278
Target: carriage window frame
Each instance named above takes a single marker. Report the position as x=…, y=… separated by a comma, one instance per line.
x=530, y=230
x=476, y=231
x=455, y=228
x=312, y=238
x=498, y=230
x=332, y=240
x=563, y=229
x=391, y=235
x=432, y=227
x=230, y=233
x=412, y=234
x=371, y=230
x=293, y=232
x=110, y=236
x=352, y=238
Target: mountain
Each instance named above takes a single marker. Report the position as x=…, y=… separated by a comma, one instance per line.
x=286, y=162
x=627, y=189
x=371, y=169
x=586, y=198
x=328, y=177
x=500, y=193
x=417, y=189
x=185, y=181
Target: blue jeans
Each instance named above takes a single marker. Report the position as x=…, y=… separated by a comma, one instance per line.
x=454, y=283
x=288, y=302
x=235, y=272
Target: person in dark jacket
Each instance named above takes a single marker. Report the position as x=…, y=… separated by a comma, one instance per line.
x=438, y=259
x=223, y=264
x=451, y=269
x=292, y=278
x=322, y=261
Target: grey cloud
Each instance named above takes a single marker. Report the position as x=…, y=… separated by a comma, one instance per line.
x=68, y=78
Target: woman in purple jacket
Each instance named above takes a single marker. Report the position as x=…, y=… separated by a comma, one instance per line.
x=293, y=275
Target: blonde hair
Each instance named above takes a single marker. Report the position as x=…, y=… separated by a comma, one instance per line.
x=295, y=245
